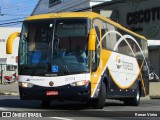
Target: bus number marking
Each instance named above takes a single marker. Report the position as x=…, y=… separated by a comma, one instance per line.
x=70, y=78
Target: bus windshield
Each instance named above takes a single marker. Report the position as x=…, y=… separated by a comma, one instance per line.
x=54, y=46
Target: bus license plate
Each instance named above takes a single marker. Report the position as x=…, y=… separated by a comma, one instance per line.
x=51, y=93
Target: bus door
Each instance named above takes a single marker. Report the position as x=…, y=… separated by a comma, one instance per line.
x=96, y=70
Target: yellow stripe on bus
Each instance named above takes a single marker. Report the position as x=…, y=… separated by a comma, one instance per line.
x=142, y=80
x=96, y=76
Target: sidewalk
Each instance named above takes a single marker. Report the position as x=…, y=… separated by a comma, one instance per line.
x=12, y=89
x=9, y=89
x=154, y=90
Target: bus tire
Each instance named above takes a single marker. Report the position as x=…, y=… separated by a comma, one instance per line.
x=45, y=103
x=135, y=100
x=100, y=102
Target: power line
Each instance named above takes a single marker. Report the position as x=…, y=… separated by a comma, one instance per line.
x=19, y=6
x=11, y=22
x=9, y=25
x=12, y=19
x=14, y=14
x=18, y=3
x=17, y=10
x=10, y=4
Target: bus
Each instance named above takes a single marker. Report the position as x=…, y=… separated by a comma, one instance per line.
x=80, y=56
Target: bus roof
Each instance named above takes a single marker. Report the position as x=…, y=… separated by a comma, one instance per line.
x=90, y=15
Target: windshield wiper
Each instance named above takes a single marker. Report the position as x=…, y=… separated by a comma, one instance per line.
x=63, y=66
x=66, y=70
x=41, y=66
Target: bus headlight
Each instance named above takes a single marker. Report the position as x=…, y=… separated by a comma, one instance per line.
x=80, y=83
x=26, y=85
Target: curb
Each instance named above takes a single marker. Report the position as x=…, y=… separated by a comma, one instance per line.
x=154, y=97
x=9, y=93
x=145, y=98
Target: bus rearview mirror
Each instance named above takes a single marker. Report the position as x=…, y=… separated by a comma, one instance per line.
x=10, y=40
x=92, y=40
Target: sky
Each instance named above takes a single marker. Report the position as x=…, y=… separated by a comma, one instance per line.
x=13, y=12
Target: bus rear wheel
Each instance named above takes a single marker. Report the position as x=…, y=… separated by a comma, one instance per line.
x=135, y=100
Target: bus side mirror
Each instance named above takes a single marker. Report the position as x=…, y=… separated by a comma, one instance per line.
x=92, y=40
x=10, y=40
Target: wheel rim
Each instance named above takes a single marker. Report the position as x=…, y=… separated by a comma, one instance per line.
x=138, y=96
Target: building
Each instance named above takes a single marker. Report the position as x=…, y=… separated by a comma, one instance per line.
x=50, y=6
x=140, y=16
x=9, y=62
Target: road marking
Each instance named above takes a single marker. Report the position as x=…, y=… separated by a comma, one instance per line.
x=60, y=118
x=107, y=110
x=3, y=108
x=97, y=110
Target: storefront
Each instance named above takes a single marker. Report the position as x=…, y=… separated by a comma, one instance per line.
x=140, y=16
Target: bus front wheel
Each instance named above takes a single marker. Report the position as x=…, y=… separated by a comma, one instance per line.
x=100, y=102
x=45, y=103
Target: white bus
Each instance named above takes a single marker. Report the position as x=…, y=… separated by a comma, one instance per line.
x=80, y=56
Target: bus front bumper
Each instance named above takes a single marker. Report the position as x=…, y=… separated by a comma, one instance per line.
x=68, y=92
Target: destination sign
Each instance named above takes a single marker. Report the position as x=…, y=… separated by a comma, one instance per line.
x=71, y=30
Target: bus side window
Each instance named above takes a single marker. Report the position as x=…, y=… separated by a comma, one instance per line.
x=124, y=48
x=104, y=41
x=103, y=35
x=96, y=53
x=110, y=39
x=32, y=38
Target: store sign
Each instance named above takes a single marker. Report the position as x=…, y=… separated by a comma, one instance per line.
x=143, y=16
x=2, y=40
x=135, y=19
x=54, y=2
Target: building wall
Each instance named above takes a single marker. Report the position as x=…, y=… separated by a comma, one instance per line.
x=4, y=34
x=72, y=5
x=149, y=9
x=154, y=59
x=65, y=6
x=140, y=16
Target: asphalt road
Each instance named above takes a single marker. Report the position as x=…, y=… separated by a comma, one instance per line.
x=148, y=109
